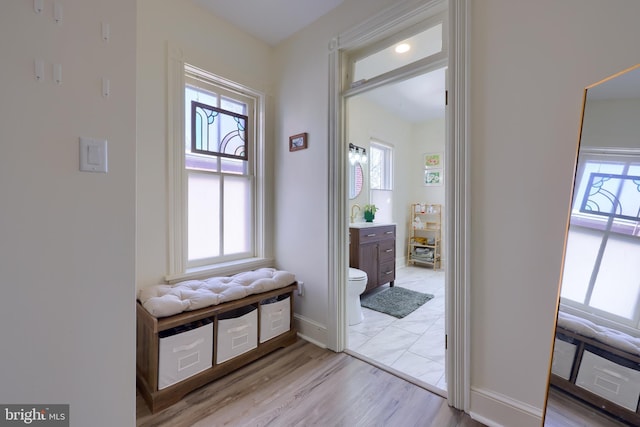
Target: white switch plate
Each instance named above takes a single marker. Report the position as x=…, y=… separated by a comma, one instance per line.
x=93, y=155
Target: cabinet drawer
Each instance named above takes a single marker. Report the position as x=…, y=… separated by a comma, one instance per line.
x=184, y=354
x=614, y=382
x=563, y=355
x=387, y=250
x=374, y=234
x=387, y=272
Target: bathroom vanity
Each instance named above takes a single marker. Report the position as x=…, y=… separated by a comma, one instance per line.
x=372, y=249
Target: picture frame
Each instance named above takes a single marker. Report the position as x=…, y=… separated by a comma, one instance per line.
x=433, y=177
x=298, y=142
x=433, y=160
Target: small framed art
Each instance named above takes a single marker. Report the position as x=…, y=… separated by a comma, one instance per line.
x=433, y=177
x=433, y=160
x=298, y=142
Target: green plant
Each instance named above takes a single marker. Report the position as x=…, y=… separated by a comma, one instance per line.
x=370, y=208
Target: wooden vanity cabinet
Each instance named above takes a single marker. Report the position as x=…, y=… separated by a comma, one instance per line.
x=372, y=249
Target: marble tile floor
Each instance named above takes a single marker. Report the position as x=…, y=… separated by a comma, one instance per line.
x=412, y=346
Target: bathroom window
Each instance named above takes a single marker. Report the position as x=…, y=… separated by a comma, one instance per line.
x=380, y=166
x=217, y=189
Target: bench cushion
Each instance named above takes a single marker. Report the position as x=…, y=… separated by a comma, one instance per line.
x=166, y=300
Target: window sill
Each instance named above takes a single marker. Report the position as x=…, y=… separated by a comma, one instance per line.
x=222, y=269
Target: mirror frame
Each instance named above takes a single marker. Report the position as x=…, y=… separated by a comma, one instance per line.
x=568, y=222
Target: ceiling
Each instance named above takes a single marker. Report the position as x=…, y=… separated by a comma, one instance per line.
x=417, y=99
x=271, y=21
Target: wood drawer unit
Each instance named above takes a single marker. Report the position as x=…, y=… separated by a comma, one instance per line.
x=150, y=371
x=372, y=249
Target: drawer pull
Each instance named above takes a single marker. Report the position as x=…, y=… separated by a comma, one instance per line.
x=238, y=329
x=188, y=347
x=611, y=373
x=371, y=235
x=389, y=272
x=388, y=232
x=389, y=250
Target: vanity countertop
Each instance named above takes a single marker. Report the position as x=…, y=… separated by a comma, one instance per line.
x=369, y=224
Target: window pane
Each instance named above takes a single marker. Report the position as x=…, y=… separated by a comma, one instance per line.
x=380, y=169
x=237, y=215
x=616, y=288
x=194, y=94
x=421, y=45
x=582, y=249
x=376, y=168
x=203, y=216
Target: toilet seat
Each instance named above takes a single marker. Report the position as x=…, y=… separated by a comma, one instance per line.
x=357, y=275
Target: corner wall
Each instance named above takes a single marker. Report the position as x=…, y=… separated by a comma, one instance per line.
x=67, y=238
x=206, y=42
x=530, y=63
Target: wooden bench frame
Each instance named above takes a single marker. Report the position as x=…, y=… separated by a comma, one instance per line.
x=148, y=328
x=569, y=386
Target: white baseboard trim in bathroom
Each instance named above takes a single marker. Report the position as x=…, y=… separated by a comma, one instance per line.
x=310, y=330
x=497, y=410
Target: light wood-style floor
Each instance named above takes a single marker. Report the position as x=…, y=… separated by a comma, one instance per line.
x=566, y=411
x=304, y=385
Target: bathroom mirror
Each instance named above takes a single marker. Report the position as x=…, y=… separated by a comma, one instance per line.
x=596, y=356
x=355, y=180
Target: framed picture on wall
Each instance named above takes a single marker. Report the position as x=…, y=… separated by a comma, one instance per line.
x=433, y=160
x=433, y=177
x=298, y=142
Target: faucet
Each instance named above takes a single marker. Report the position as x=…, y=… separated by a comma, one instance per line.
x=352, y=208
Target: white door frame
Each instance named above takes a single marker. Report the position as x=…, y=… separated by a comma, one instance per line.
x=457, y=196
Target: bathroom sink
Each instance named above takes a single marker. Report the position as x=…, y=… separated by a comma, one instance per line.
x=368, y=224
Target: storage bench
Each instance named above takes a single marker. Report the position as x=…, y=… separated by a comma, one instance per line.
x=598, y=373
x=179, y=353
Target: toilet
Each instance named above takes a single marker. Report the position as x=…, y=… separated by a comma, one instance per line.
x=355, y=286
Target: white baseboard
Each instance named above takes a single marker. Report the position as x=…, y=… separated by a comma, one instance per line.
x=310, y=330
x=497, y=410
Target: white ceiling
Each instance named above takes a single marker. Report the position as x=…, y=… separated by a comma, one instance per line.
x=417, y=99
x=271, y=21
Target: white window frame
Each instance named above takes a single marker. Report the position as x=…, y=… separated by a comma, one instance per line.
x=387, y=164
x=178, y=267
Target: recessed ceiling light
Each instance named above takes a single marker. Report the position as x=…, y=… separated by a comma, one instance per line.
x=402, y=48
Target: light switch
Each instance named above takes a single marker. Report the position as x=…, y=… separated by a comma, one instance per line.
x=93, y=155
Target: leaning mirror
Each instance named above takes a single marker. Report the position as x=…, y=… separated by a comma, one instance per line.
x=595, y=371
x=355, y=180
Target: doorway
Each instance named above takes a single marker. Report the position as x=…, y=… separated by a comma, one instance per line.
x=457, y=322
x=408, y=117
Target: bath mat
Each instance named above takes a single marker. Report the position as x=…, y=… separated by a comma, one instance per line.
x=395, y=301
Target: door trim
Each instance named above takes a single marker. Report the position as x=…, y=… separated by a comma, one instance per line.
x=457, y=192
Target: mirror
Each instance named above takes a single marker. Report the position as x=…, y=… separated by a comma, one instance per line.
x=596, y=356
x=355, y=180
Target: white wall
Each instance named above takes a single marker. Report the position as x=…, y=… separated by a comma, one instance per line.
x=611, y=123
x=530, y=63
x=367, y=121
x=209, y=43
x=427, y=137
x=301, y=177
x=67, y=245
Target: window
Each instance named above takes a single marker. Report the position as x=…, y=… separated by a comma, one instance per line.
x=217, y=193
x=601, y=274
x=380, y=166
x=416, y=46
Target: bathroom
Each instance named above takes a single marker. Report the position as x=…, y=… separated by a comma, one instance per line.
x=391, y=165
